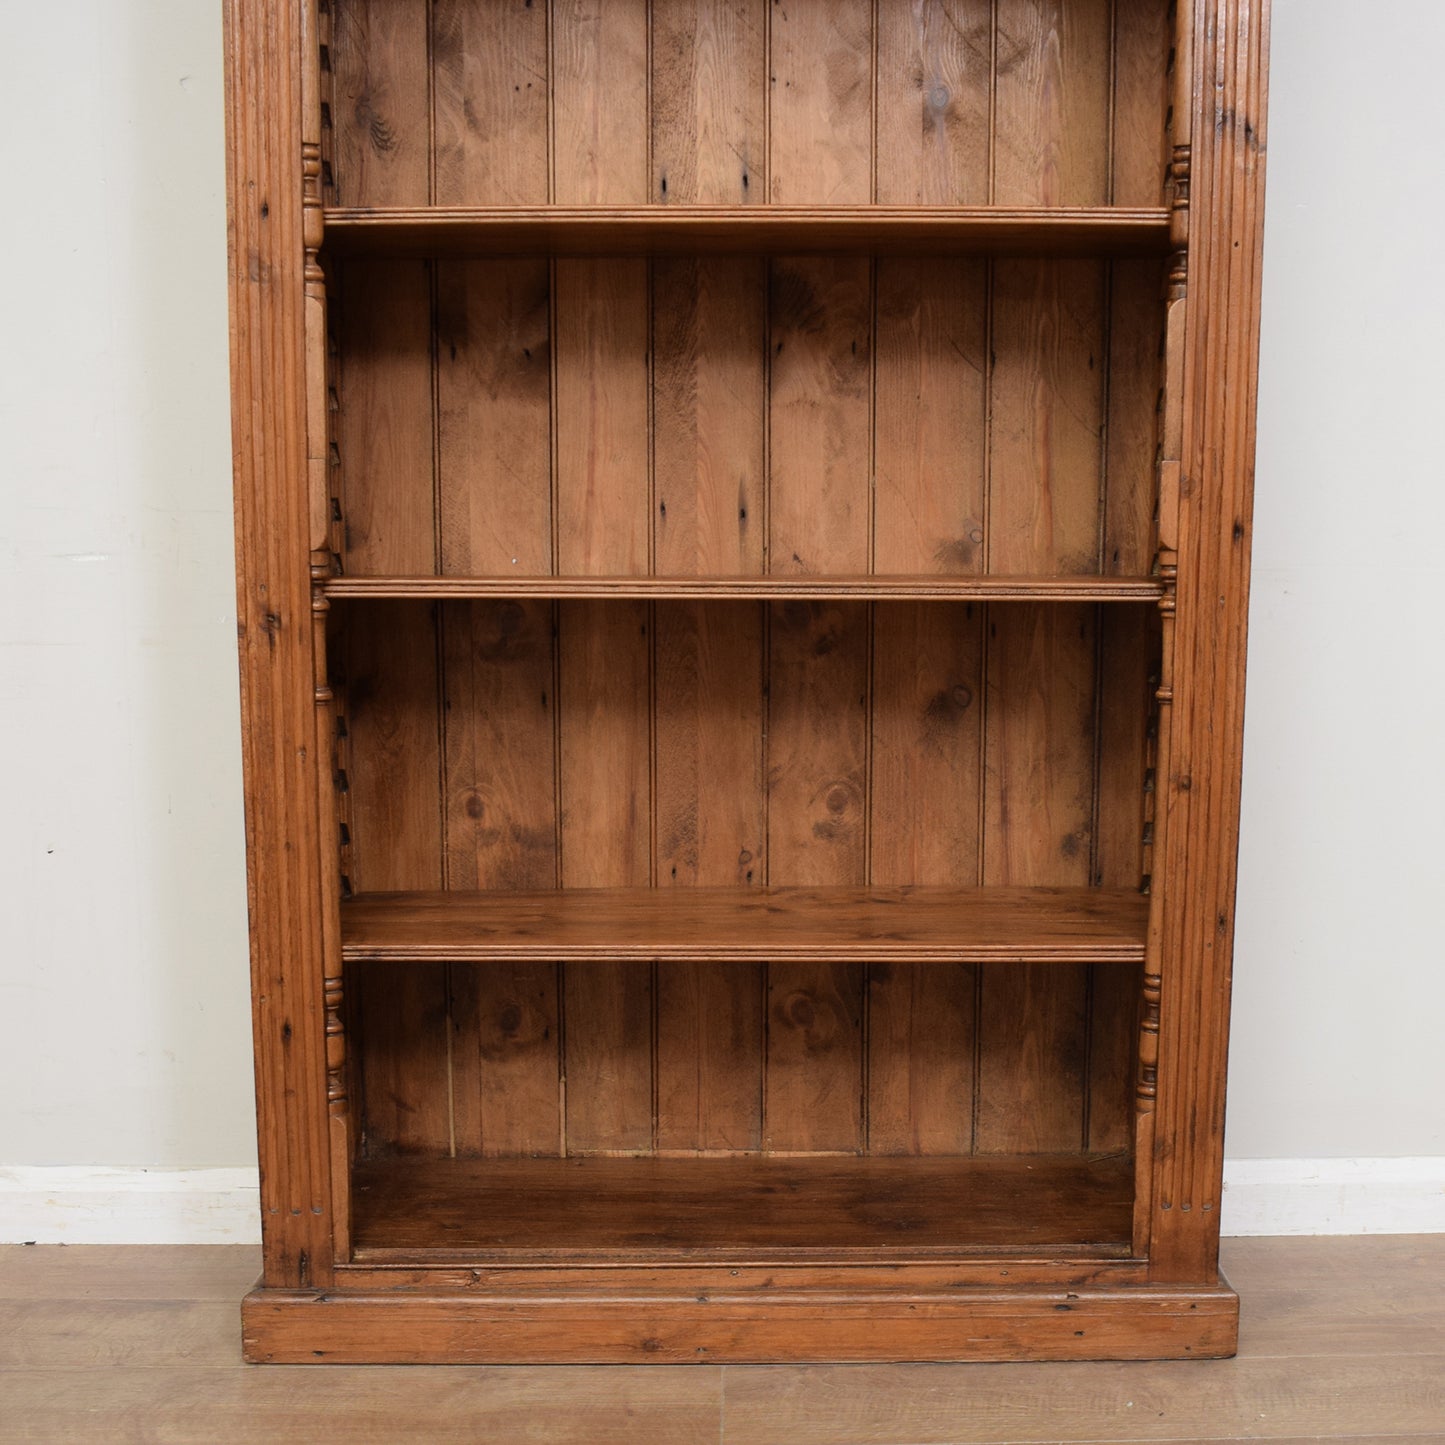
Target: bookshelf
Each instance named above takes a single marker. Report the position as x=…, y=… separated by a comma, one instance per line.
x=741, y=702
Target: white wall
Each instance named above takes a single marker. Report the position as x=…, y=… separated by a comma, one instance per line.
x=1339, y=1003
x=123, y=1012
x=124, y=1025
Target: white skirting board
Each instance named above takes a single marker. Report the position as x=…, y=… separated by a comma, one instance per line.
x=83, y=1205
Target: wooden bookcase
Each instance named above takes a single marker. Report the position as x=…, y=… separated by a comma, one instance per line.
x=742, y=519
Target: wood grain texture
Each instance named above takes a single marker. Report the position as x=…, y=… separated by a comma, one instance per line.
x=494, y=455
x=1345, y=1400
x=922, y=1040
x=709, y=145
x=599, y=102
x=498, y=716
x=895, y=925
x=605, y=761
x=934, y=60
x=817, y=744
x=710, y=830
x=601, y=415
x=1048, y=340
x=746, y=1210
x=928, y=707
x=381, y=141
x=927, y=691
x=506, y=1060
x=900, y=587
x=1052, y=102
x=265, y=268
x=820, y=143
x=389, y=684
x=622, y=230
x=489, y=75
x=708, y=101
x=384, y=431
x=931, y=420
x=1140, y=103
x=709, y=398
x=1201, y=781
x=1135, y=329
x=820, y=377
x=1038, y=824
x=742, y=413
x=501, y=832
x=1047, y=416
x=601, y=408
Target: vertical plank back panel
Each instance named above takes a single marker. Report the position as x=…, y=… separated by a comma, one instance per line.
x=489, y=67
x=494, y=386
x=1037, y=832
x=933, y=102
x=381, y=148
x=1141, y=60
x=499, y=723
x=1136, y=335
x=817, y=821
x=819, y=494
x=1052, y=109
x=384, y=426
x=709, y=101
x=717, y=415
x=599, y=97
x=390, y=687
x=930, y=461
x=385, y=445
x=494, y=481
x=1048, y=398
x=601, y=414
x=932, y=429
x=1052, y=103
x=604, y=667
x=709, y=146
x=820, y=124
x=820, y=150
x=927, y=716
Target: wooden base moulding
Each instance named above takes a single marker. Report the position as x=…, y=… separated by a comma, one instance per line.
x=890, y=1323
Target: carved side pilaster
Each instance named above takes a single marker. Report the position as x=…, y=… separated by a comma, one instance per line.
x=1200, y=788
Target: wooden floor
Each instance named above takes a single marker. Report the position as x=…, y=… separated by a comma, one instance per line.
x=1343, y=1339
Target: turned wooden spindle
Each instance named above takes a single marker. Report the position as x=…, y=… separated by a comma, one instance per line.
x=1171, y=451
x=322, y=546
x=1181, y=111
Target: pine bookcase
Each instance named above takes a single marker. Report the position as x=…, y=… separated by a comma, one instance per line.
x=742, y=537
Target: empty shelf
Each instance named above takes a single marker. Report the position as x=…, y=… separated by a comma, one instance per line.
x=893, y=925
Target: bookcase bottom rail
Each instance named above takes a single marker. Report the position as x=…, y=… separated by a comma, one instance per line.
x=883, y=1325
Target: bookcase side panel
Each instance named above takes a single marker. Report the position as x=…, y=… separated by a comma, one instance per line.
x=277, y=661
x=1202, y=775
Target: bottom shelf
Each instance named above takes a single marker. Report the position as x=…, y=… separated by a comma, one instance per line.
x=745, y=1209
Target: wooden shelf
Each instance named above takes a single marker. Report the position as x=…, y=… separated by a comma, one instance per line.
x=742, y=1209
x=880, y=925
x=643, y=230
x=812, y=588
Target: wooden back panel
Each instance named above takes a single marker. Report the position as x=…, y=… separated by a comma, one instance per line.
x=729, y=415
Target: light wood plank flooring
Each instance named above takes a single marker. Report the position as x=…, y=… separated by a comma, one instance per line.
x=1343, y=1339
